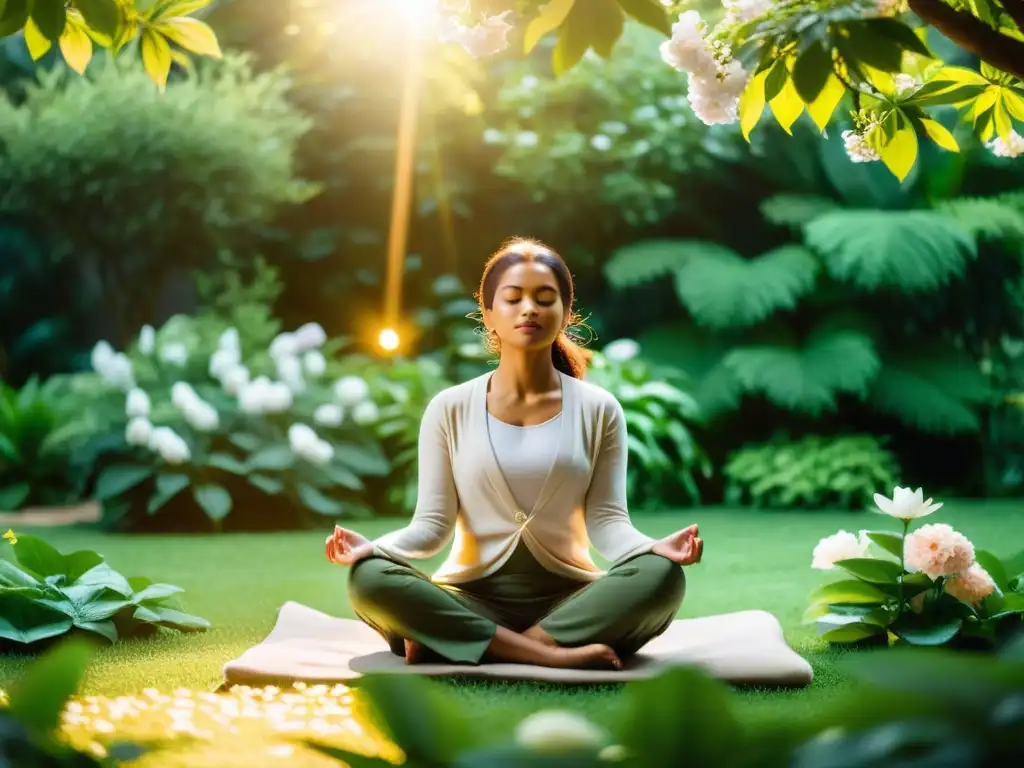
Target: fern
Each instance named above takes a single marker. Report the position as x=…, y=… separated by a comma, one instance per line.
x=807, y=377
x=931, y=389
x=647, y=260
x=796, y=210
x=989, y=218
x=911, y=251
x=721, y=289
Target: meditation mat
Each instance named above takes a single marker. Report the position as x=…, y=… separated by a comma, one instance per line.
x=743, y=648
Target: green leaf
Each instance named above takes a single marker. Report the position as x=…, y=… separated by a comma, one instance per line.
x=551, y=17
x=102, y=15
x=104, y=576
x=606, y=21
x=228, y=463
x=272, y=457
x=910, y=251
x=13, y=497
x=191, y=34
x=848, y=591
x=937, y=132
x=170, y=618
x=105, y=628
x=13, y=16
x=79, y=563
x=36, y=555
x=681, y=711
x=367, y=460
x=317, y=501
x=646, y=260
x=994, y=566
x=824, y=106
x=752, y=101
x=119, y=478
x=871, y=570
x=343, y=477
x=899, y=33
x=812, y=71
x=900, y=153
x=214, y=500
x=923, y=630
x=25, y=618
x=867, y=44
x=12, y=576
x=798, y=210
x=574, y=37
x=890, y=542
x=155, y=592
x=168, y=485
x=9, y=450
x=268, y=485
x=246, y=441
x=156, y=57
x=853, y=632
x=723, y=290
x=38, y=697
x=50, y=17
x=650, y=13
x=420, y=716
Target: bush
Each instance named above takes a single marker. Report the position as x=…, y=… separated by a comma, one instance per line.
x=814, y=471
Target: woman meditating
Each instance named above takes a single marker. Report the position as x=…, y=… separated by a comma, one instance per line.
x=524, y=467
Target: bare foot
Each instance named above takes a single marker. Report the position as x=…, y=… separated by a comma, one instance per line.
x=538, y=634
x=589, y=657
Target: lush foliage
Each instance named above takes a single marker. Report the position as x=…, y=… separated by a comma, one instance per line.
x=665, y=458
x=165, y=30
x=179, y=167
x=907, y=705
x=46, y=594
x=923, y=587
x=814, y=471
x=801, y=55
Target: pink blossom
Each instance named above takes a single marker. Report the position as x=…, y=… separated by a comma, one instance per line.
x=971, y=586
x=842, y=545
x=937, y=550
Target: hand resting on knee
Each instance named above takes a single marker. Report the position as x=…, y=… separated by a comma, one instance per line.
x=345, y=547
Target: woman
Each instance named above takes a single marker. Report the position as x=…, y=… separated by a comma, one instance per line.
x=524, y=467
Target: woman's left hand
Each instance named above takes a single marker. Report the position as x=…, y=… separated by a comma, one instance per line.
x=684, y=547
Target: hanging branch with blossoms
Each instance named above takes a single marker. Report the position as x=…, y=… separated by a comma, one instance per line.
x=797, y=56
x=922, y=587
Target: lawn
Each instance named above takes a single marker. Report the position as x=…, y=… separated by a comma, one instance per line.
x=752, y=559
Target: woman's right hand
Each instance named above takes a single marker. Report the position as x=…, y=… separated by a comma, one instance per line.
x=345, y=547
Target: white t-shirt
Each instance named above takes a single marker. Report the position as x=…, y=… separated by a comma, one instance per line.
x=525, y=456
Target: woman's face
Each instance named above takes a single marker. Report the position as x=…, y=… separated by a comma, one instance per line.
x=527, y=312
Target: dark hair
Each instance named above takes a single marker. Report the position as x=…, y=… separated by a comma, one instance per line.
x=568, y=356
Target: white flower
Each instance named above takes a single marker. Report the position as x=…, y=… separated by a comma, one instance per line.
x=262, y=395
x=315, y=363
x=600, y=142
x=137, y=404
x=621, y=350
x=739, y=11
x=715, y=98
x=310, y=336
x=170, y=445
x=182, y=395
x=234, y=378
x=230, y=341
x=858, y=148
x=839, y=546
x=174, y=353
x=147, y=340
x=615, y=127
x=487, y=38
x=527, y=139
x=350, y=390
x=365, y=413
x=1013, y=146
x=138, y=431
x=687, y=50
x=904, y=84
x=289, y=370
x=119, y=372
x=222, y=361
x=308, y=445
x=102, y=354
x=558, y=731
x=284, y=345
x=202, y=416
x=493, y=136
x=906, y=504
x=329, y=415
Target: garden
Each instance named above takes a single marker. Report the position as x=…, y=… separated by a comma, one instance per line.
x=240, y=245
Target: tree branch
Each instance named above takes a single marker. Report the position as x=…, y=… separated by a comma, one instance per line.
x=1015, y=9
x=974, y=35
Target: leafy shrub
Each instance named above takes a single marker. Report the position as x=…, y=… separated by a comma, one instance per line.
x=664, y=456
x=45, y=594
x=38, y=438
x=955, y=593
x=814, y=471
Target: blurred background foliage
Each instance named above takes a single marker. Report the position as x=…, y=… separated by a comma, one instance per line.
x=761, y=310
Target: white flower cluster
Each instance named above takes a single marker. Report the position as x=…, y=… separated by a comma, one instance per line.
x=308, y=445
x=296, y=355
x=716, y=80
x=485, y=38
x=353, y=396
x=164, y=441
x=858, y=147
x=1013, y=146
x=115, y=368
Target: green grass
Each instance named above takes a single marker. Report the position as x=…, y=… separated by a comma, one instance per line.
x=752, y=560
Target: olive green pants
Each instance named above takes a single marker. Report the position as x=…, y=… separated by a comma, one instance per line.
x=634, y=602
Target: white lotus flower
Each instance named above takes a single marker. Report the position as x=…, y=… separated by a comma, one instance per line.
x=138, y=431
x=621, y=350
x=308, y=445
x=558, y=731
x=310, y=336
x=315, y=363
x=170, y=445
x=365, y=413
x=350, y=390
x=222, y=361
x=329, y=415
x=284, y=345
x=234, y=378
x=906, y=504
x=147, y=340
x=137, y=404
x=202, y=416
x=229, y=340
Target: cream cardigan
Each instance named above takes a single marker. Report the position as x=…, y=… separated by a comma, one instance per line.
x=463, y=494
